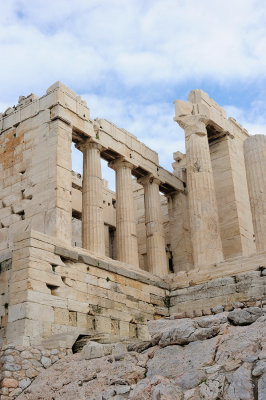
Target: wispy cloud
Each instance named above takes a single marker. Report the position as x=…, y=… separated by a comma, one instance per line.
x=130, y=59
x=134, y=43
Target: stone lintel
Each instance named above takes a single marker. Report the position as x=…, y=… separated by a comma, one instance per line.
x=66, y=253
x=63, y=104
x=75, y=254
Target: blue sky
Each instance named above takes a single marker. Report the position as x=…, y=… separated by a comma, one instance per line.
x=131, y=58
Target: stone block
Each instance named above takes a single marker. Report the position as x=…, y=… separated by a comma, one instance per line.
x=61, y=316
x=82, y=320
x=103, y=324
x=182, y=108
x=3, y=238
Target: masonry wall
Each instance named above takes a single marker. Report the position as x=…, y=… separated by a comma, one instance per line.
x=35, y=179
x=248, y=288
x=52, y=294
x=5, y=274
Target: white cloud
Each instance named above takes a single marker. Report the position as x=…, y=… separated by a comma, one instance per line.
x=127, y=58
x=253, y=119
x=88, y=43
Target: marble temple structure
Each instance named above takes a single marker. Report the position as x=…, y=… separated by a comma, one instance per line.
x=77, y=258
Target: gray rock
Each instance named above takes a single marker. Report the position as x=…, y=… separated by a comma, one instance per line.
x=218, y=309
x=11, y=367
x=156, y=388
x=211, y=320
x=26, y=354
x=212, y=369
x=7, y=359
x=139, y=346
x=192, y=394
x=250, y=359
x=180, y=334
x=24, y=383
x=108, y=394
x=262, y=355
x=244, y=317
x=46, y=362
x=262, y=388
x=118, y=348
x=260, y=368
x=241, y=387
x=213, y=387
x=170, y=361
x=92, y=350
x=187, y=332
x=238, y=305
x=123, y=389
x=239, y=343
x=35, y=363
x=189, y=380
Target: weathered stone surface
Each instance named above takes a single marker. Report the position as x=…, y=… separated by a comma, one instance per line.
x=223, y=367
x=9, y=383
x=259, y=368
x=92, y=350
x=24, y=383
x=241, y=386
x=262, y=387
x=46, y=362
x=195, y=354
x=244, y=317
x=157, y=387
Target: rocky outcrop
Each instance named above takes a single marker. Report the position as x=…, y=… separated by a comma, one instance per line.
x=206, y=358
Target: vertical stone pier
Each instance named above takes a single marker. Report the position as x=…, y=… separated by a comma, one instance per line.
x=156, y=256
x=92, y=199
x=204, y=223
x=179, y=231
x=126, y=236
x=255, y=159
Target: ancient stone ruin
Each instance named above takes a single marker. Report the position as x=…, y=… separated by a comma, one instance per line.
x=82, y=264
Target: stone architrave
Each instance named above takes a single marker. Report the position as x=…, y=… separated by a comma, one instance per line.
x=126, y=236
x=204, y=222
x=156, y=255
x=255, y=160
x=92, y=199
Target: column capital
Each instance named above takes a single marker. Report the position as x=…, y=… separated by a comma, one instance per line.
x=149, y=178
x=88, y=144
x=193, y=124
x=120, y=163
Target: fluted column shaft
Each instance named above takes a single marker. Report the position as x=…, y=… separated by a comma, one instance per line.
x=92, y=200
x=204, y=222
x=126, y=236
x=156, y=255
x=255, y=160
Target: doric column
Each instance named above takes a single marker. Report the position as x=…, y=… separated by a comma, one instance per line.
x=126, y=237
x=255, y=160
x=204, y=222
x=156, y=256
x=92, y=199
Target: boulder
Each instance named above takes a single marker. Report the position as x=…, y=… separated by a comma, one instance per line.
x=244, y=317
